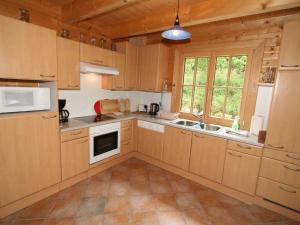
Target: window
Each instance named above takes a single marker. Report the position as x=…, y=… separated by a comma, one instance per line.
x=217, y=92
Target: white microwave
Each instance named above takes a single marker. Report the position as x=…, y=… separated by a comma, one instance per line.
x=22, y=99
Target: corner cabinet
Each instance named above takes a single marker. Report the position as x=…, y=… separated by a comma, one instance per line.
x=95, y=55
x=153, y=67
x=30, y=154
x=68, y=64
x=28, y=51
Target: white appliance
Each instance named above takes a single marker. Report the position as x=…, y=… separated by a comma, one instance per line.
x=22, y=99
x=104, y=141
x=98, y=69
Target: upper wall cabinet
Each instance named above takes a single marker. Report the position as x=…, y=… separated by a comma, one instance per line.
x=290, y=46
x=68, y=64
x=27, y=51
x=153, y=67
x=96, y=55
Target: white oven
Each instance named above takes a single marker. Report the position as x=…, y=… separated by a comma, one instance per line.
x=104, y=141
x=21, y=99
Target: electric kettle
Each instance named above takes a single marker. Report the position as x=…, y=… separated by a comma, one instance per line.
x=154, y=108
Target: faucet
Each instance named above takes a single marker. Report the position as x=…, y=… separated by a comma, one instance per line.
x=199, y=116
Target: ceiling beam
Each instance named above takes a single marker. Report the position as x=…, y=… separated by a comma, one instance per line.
x=80, y=10
x=199, y=13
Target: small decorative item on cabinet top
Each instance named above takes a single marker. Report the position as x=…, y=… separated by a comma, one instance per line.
x=24, y=14
x=269, y=76
x=65, y=33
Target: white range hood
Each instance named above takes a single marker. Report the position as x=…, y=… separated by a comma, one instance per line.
x=93, y=68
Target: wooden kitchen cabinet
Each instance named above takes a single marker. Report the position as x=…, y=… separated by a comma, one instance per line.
x=208, y=156
x=177, y=147
x=241, y=171
x=284, y=122
x=95, y=55
x=74, y=157
x=27, y=51
x=68, y=60
x=127, y=142
x=153, y=67
x=30, y=154
x=290, y=46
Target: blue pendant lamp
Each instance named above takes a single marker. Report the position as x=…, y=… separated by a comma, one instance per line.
x=176, y=33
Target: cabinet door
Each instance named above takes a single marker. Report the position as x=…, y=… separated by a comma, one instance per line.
x=241, y=171
x=29, y=154
x=131, y=67
x=284, y=123
x=148, y=66
x=290, y=45
x=119, y=63
x=68, y=64
x=208, y=156
x=150, y=143
x=74, y=157
x=96, y=55
x=177, y=147
x=126, y=137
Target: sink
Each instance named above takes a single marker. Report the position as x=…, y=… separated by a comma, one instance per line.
x=186, y=123
x=208, y=127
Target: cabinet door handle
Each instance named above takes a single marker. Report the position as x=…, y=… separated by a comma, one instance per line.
x=292, y=157
x=48, y=117
x=279, y=147
x=245, y=147
x=76, y=133
x=287, y=167
x=73, y=85
x=198, y=136
x=99, y=61
x=282, y=188
x=83, y=141
x=234, y=155
x=43, y=75
x=290, y=66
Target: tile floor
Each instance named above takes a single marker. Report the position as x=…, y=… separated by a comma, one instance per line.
x=138, y=193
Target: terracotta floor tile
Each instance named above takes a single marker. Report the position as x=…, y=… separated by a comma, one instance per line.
x=40, y=209
x=114, y=219
x=120, y=176
x=161, y=187
x=136, y=171
x=196, y=217
x=171, y=218
x=182, y=185
x=97, y=188
x=142, y=203
x=8, y=219
x=151, y=167
x=187, y=201
x=265, y=215
x=62, y=221
x=242, y=215
x=139, y=178
x=102, y=176
x=144, y=218
x=28, y=222
x=91, y=206
x=220, y=216
x=228, y=201
x=165, y=202
x=119, y=188
x=172, y=176
x=207, y=198
x=65, y=208
x=89, y=220
x=156, y=175
x=73, y=193
x=120, y=168
x=140, y=188
x=117, y=205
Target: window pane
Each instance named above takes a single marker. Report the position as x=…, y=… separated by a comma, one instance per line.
x=189, y=69
x=237, y=74
x=218, y=100
x=199, y=98
x=233, y=103
x=222, y=65
x=186, y=99
x=202, y=67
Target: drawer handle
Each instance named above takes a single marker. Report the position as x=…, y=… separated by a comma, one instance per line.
x=76, y=133
x=234, y=155
x=197, y=136
x=43, y=75
x=48, y=117
x=279, y=147
x=282, y=188
x=185, y=133
x=73, y=85
x=285, y=166
x=245, y=147
x=83, y=141
x=290, y=66
x=292, y=157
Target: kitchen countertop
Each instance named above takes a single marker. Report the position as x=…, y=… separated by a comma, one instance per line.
x=74, y=124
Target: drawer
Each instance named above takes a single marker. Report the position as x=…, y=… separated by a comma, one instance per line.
x=280, y=171
x=126, y=133
x=74, y=134
x=279, y=193
x=245, y=148
x=126, y=123
x=282, y=156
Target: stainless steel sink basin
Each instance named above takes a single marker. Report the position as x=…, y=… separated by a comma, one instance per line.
x=208, y=127
x=186, y=123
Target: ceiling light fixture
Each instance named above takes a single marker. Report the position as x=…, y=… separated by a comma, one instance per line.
x=176, y=33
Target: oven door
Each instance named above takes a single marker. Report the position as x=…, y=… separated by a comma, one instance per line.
x=104, y=141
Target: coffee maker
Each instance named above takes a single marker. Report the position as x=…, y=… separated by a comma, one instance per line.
x=63, y=113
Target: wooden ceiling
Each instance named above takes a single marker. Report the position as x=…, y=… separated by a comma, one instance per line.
x=126, y=18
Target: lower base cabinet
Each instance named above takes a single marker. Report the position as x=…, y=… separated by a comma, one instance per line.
x=208, y=156
x=127, y=140
x=241, y=171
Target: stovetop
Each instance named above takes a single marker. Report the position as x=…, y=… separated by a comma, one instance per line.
x=94, y=119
